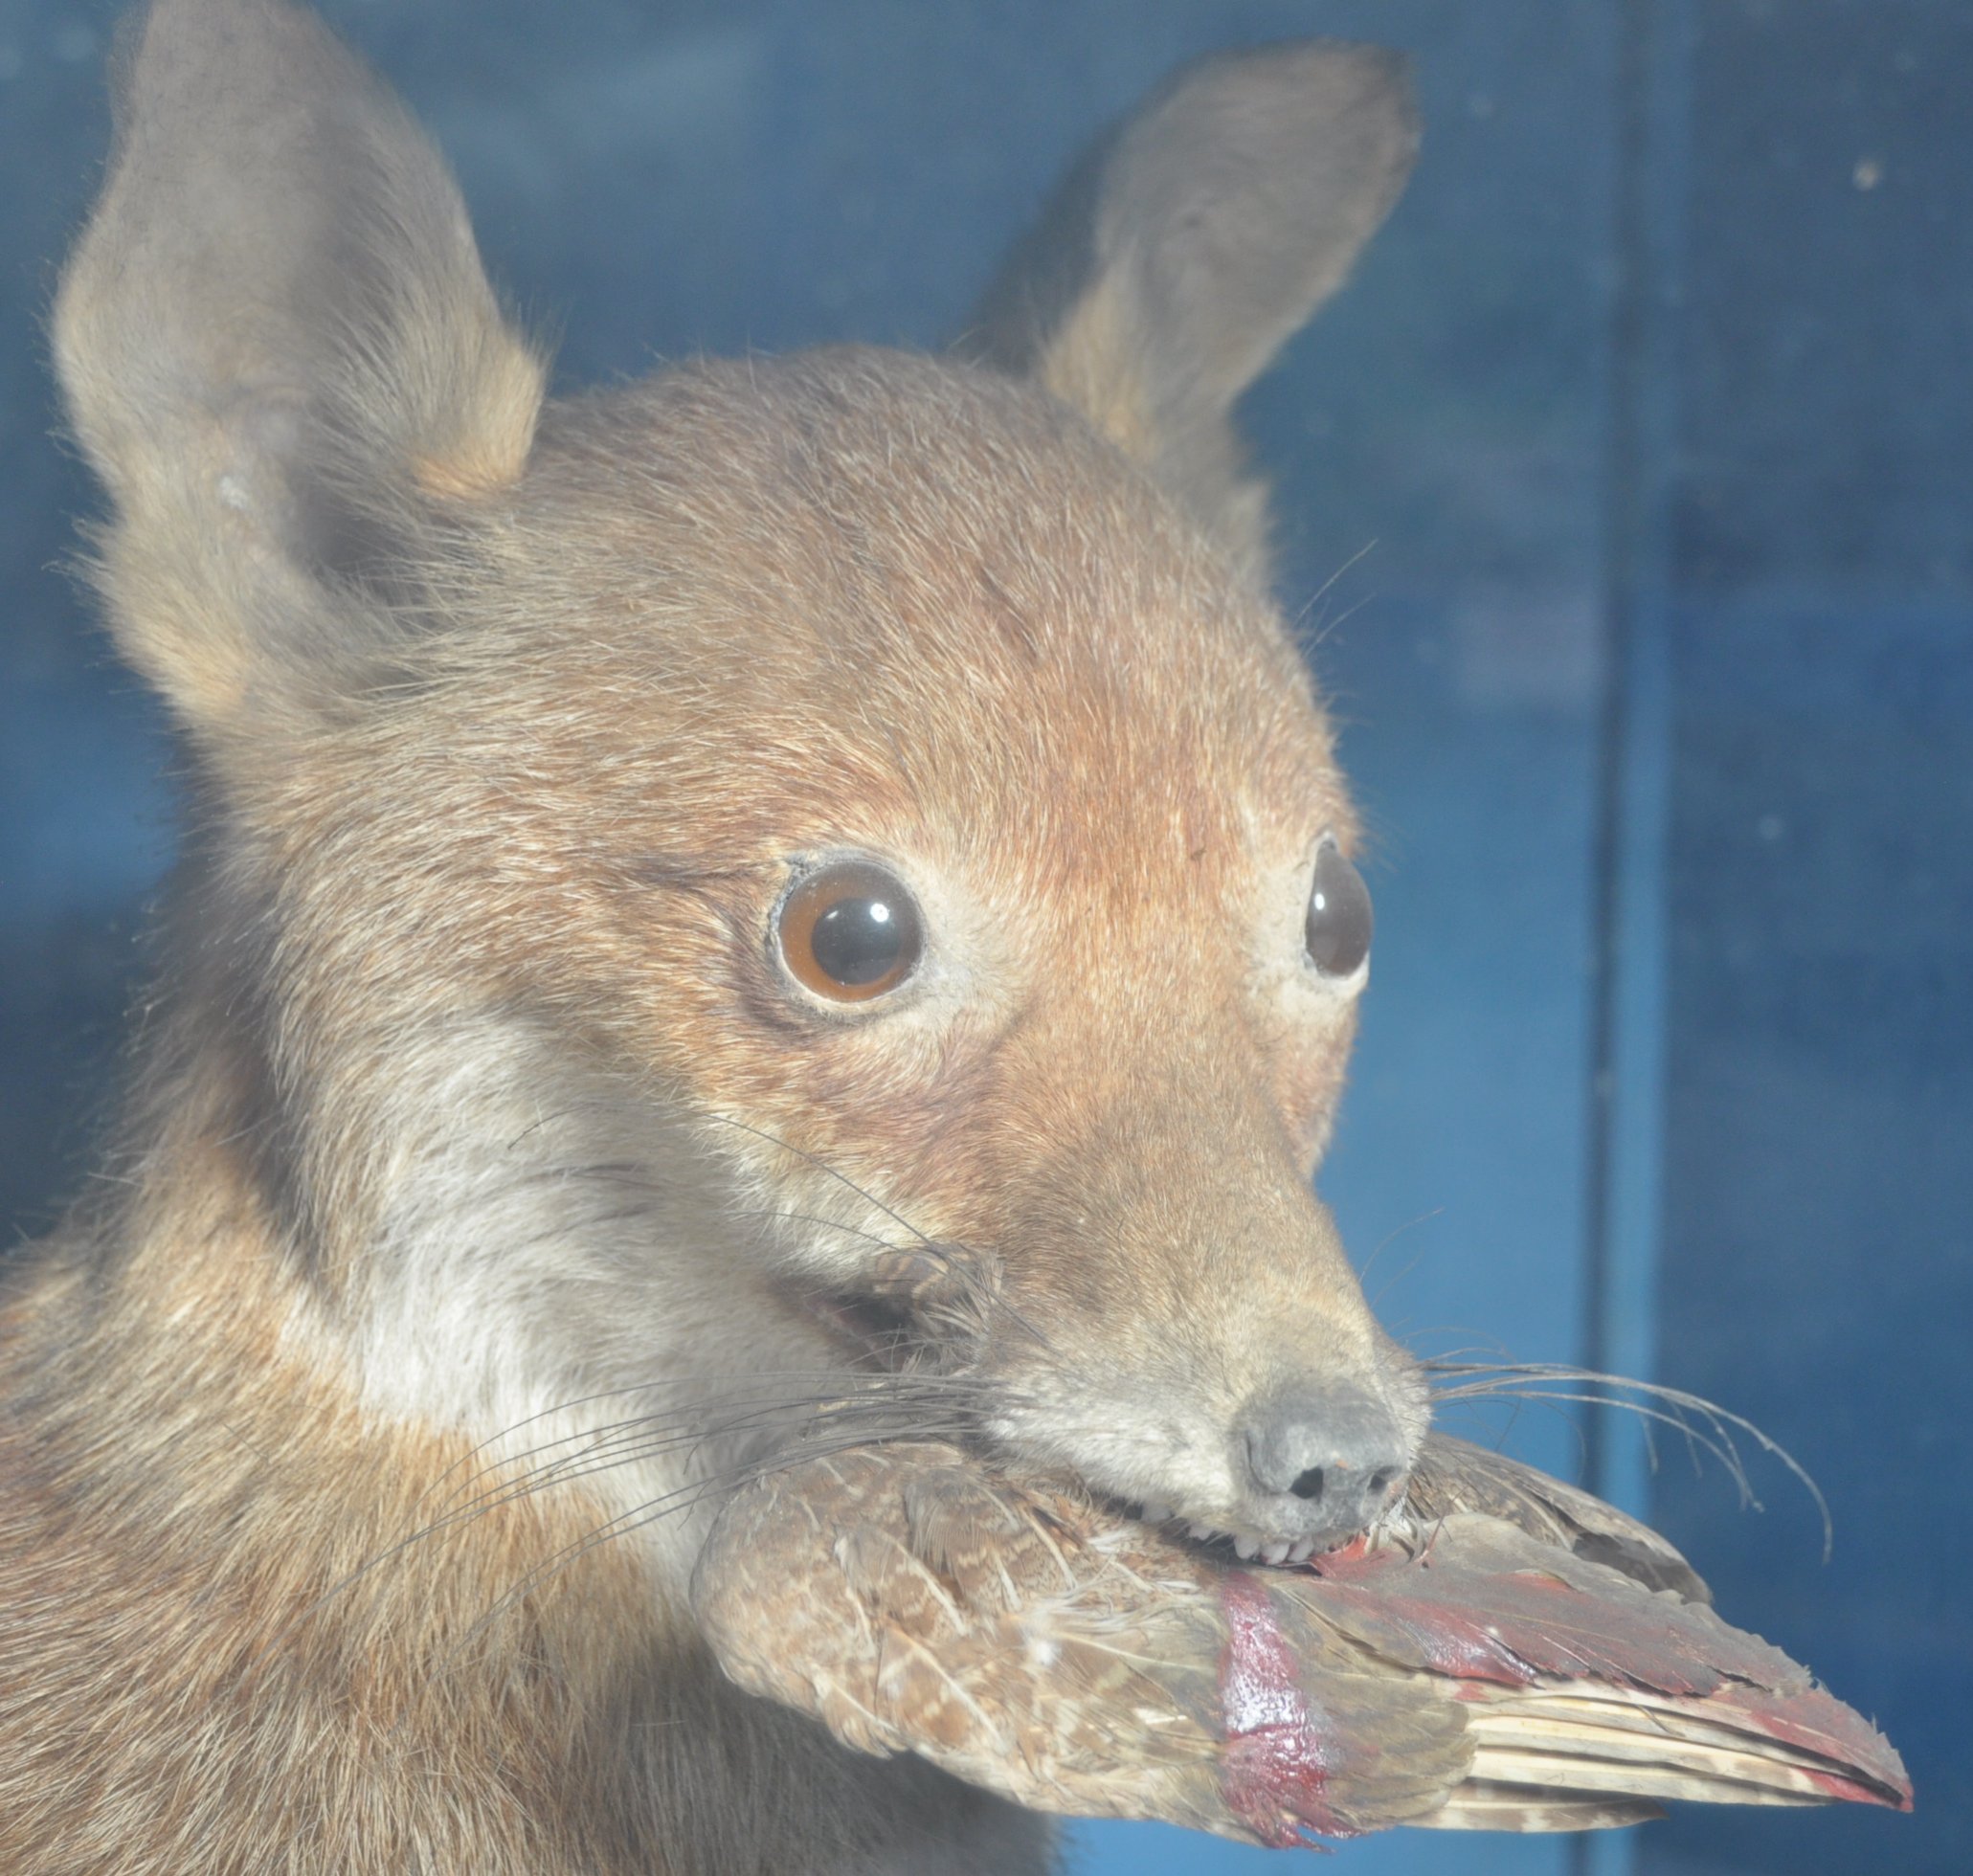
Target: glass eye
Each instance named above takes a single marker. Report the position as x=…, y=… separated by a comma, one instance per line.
x=850, y=932
x=1337, y=930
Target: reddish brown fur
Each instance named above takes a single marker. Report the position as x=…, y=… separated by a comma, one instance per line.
x=474, y=1073
x=222, y=1655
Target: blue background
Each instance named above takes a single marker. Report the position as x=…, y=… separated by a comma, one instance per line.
x=1628, y=491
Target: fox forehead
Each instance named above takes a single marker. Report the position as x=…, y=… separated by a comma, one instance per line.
x=865, y=595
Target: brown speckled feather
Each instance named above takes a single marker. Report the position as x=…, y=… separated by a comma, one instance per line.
x=1502, y=1658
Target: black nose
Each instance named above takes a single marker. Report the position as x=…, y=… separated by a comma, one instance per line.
x=1339, y=1451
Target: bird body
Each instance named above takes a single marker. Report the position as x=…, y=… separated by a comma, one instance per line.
x=1506, y=1652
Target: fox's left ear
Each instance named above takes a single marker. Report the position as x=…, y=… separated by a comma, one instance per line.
x=1189, y=246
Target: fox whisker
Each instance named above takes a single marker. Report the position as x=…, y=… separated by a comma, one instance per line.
x=1661, y=1404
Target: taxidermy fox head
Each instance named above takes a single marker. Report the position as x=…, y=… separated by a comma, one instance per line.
x=792, y=891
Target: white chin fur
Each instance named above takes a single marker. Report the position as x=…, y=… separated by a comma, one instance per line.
x=551, y=1270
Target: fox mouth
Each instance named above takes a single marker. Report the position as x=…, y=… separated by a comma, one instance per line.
x=927, y=1308
x=875, y=1329
x=912, y=1323
x=1187, y=1504
x=1243, y=1547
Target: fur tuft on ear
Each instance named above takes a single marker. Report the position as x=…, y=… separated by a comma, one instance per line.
x=278, y=349
x=1185, y=250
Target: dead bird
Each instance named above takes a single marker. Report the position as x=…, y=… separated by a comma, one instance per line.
x=1505, y=1652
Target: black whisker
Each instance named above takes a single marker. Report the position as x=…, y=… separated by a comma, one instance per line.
x=870, y=1409
x=823, y=1166
x=887, y=1390
x=926, y=1245
x=682, y=1499
x=1389, y=1238
x=1665, y=1404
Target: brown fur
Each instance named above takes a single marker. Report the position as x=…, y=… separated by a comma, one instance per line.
x=221, y=1655
x=477, y=1120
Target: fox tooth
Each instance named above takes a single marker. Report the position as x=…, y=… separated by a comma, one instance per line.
x=1301, y=1549
x=1156, y=1513
x=1276, y=1553
x=1201, y=1532
x=1244, y=1549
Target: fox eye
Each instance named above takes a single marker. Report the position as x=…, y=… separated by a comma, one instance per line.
x=1337, y=930
x=850, y=932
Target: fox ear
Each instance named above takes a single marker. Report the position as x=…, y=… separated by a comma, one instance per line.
x=1187, y=248
x=280, y=354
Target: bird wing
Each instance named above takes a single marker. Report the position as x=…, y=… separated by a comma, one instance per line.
x=1454, y=1475
x=1581, y=1683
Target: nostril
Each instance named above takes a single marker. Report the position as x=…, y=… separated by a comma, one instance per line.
x=1336, y=1449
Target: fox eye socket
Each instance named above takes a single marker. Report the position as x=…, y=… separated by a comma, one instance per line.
x=850, y=932
x=1337, y=930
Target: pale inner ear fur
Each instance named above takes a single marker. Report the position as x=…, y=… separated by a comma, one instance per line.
x=1187, y=248
x=279, y=351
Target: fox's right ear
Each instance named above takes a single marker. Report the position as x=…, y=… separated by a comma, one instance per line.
x=1187, y=248
x=281, y=355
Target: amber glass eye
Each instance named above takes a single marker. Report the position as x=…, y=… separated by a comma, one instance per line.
x=1337, y=931
x=850, y=932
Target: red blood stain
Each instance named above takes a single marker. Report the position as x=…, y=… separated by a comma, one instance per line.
x=1513, y=1627
x=1853, y=1791
x=1279, y=1760
x=1517, y=1627
x=1818, y=1722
